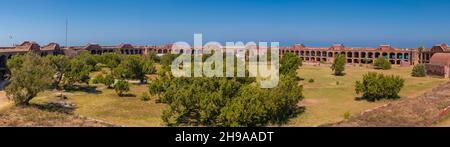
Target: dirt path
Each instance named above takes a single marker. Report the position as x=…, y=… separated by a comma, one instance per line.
x=423, y=110
x=3, y=99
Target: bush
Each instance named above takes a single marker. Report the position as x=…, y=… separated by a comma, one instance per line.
x=419, y=71
x=145, y=97
x=347, y=115
x=107, y=80
x=382, y=63
x=290, y=63
x=378, y=86
x=121, y=87
x=338, y=66
x=30, y=74
x=311, y=81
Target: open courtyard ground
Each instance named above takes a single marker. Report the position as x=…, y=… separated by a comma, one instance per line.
x=330, y=97
x=327, y=100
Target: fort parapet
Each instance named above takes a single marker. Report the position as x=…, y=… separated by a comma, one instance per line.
x=354, y=55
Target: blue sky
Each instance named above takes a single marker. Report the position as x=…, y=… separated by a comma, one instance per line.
x=359, y=23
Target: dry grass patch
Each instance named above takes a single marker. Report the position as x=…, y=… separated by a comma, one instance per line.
x=336, y=94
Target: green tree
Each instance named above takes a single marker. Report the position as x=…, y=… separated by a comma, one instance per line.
x=107, y=80
x=229, y=102
x=382, y=63
x=290, y=63
x=112, y=60
x=375, y=86
x=130, y=68
x=122, y=87
x=149, y=67
x=30, y=76
x=338, y=65
x=419, y=71
x=79, y=73
x=88, y=59
x=61, y=64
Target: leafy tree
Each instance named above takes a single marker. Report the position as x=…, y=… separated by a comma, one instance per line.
x=166, y=60
x=290, y=64
x=153, y=56
x=88, y=59
x=338, y=65
x=419, y=71
x=376, y=86
x=382, y=63
x=149, y=67
x=229, y=102
x=112, y=60
x=107, y=80
x=79, y=73
x=30, y=74
x=130, y=68
x=61, y=64
x=121, y=87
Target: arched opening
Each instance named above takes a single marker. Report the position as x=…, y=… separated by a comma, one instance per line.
x=385, y=55
x=371, y=55
x=392, y=62
x=377, y=55
x=356, y=55
x=399, y=56
x=302, y=53
x=363, y=55
x=93, y=52
x=330, y=54
x=313, y=54
x=324, y=54
x=349, y=54
x=399, y=62
x=392, y=55
x=406, y=56
x=319, y=53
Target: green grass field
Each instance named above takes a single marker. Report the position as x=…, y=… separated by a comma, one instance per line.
x=330, y=97
x=326, y=101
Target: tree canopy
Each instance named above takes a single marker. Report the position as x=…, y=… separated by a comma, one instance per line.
x=338, y=65
x=30, y=74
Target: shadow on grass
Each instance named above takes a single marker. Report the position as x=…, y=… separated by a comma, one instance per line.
x=128, y=95
x=87, y=89
x=62, y=107
x=339, y=75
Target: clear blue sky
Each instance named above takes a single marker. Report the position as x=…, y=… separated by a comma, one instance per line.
x=368, y=23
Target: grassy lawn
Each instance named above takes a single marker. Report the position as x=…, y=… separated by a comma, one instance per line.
x=330, y=97
x=326, y=100
x=105, y=105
